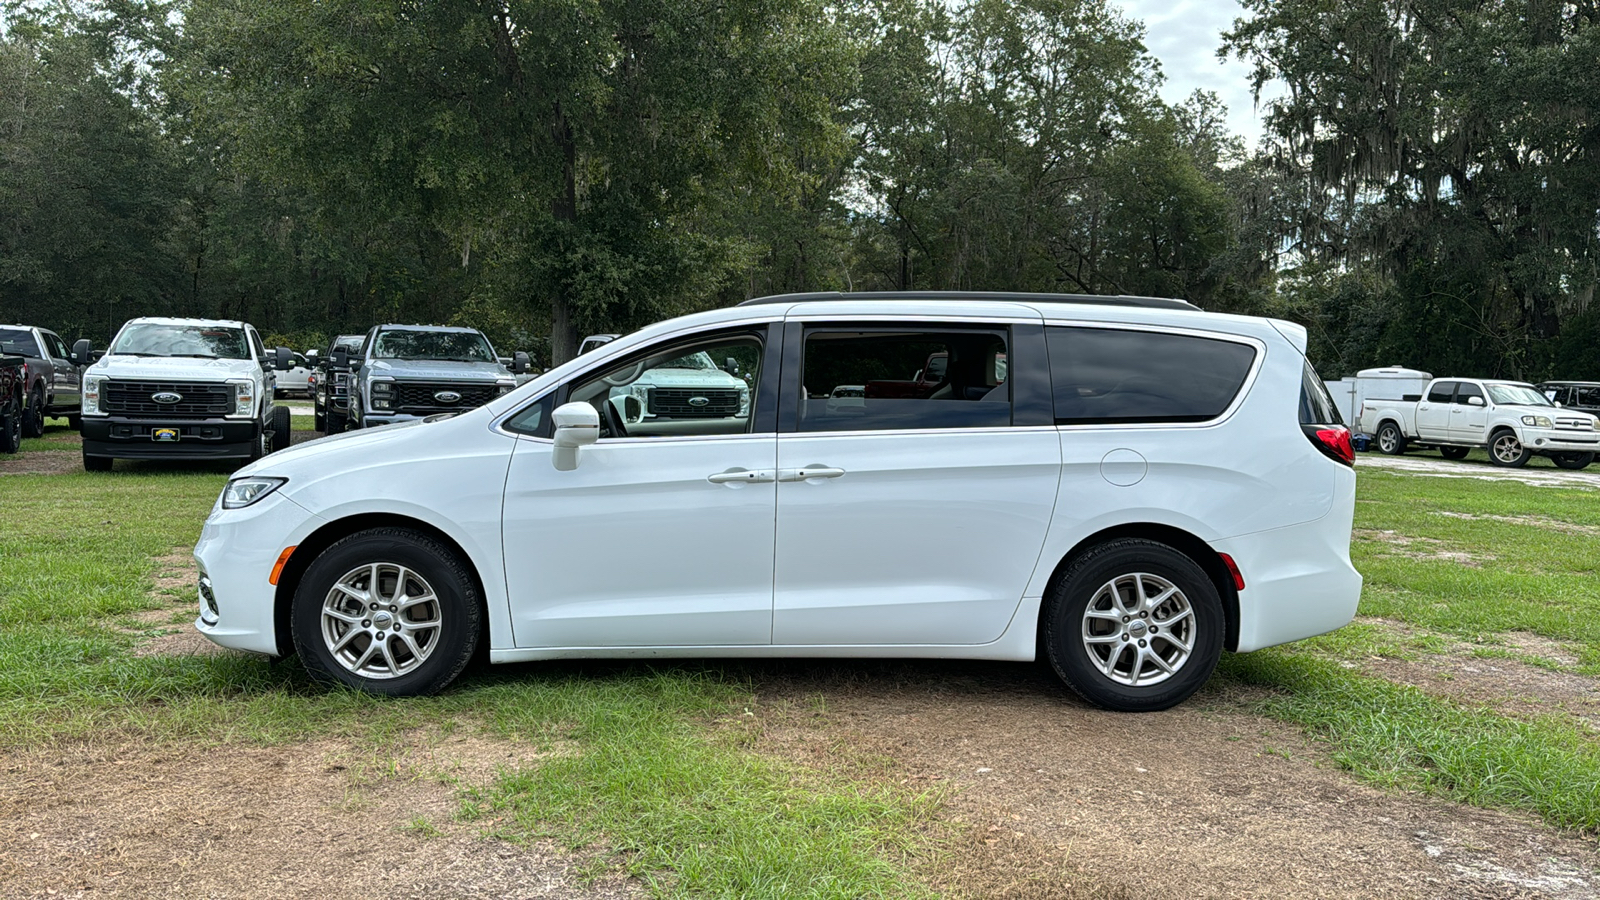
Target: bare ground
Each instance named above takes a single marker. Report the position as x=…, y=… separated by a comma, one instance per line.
x=1584, y=479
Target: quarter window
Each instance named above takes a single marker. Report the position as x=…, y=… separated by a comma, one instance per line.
x=875, y=379
x=1108, y=376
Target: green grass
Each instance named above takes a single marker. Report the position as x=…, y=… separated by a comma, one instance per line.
x=637, y=765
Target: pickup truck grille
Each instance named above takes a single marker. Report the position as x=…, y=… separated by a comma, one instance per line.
x=418, y=396
x=198, y=399
x=694, y=403
x=341, y=384
x=1580, y=424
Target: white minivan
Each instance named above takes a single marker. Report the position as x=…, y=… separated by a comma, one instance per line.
x=1128, y=486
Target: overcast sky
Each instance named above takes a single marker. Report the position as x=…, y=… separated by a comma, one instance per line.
x=1184, y=35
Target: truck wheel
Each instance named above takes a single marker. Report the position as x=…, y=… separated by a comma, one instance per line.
x=1505, y=449
x=390, y=611
x=96, y=463
x=282, y=434
x=33, y=421
x=1390, y=440
x=337, y=421
x=322, y=421
x=1454, y=452
x=11, y=426
x=75, y=422
x=1572, y=461
x=1134, y=626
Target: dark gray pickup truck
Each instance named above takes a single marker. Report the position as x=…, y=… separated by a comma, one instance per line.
x=54, y=378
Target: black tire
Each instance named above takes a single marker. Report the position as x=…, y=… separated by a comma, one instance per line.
x=321, y=422
x=1389, y=439
x=282, y=429
x=1107, y=575
x=338, y=422
x=1506, y=450
x=1454, y=452
x=1572, y=461
x=75, y=422
x=448, y=648
x=11, y=425
x=96, y=463
x=33, y=421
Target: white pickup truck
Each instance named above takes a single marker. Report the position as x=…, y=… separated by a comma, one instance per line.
x=1511, y=420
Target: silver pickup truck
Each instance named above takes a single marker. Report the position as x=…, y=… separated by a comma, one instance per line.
x=54, y=379
x=415, y=371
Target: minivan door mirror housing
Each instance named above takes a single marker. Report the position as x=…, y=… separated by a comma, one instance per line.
x=577, y=424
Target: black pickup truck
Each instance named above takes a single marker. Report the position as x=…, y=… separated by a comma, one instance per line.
x=10, y=403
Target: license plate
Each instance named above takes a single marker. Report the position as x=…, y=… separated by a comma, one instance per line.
x=165, y=435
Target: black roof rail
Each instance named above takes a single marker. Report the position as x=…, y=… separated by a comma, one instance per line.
x=1015, y=297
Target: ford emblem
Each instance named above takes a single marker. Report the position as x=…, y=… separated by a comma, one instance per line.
x=698, y=401
x=166, y=397
x=447, y=397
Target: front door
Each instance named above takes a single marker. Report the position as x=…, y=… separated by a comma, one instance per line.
x=916, y=514
x=66, y=382
x=1468, y=418
x=663, y=534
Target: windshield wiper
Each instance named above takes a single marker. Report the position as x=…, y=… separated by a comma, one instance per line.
x=194, y=356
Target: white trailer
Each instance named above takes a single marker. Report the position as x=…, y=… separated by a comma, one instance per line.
x=1388, y=383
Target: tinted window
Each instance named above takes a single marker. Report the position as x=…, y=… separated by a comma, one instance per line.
x=1585, y=396
x=1104, y=375
x=57, y=348
x=18, y=342
x=865, y=380
x=1465, y=390
x=1316, y=404
x=1442, y=392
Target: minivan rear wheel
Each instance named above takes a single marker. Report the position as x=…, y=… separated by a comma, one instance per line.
x=1134, y=626
x=389, y=611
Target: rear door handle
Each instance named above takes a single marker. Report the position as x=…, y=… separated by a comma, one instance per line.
x=742, y=476
x=809, y=472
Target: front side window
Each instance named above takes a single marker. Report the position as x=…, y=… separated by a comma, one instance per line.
x=452, y=346
x=1464, y=390
x=198, y=341
x=1109, y=376
x=1517, y=395
x=19, y=342
x=865, y=380
x=58, y=349
x=684, y=389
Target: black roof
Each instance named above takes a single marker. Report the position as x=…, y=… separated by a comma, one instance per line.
x=1014, y=297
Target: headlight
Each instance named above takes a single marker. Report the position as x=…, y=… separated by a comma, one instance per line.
x=744, y=401
x=383, y=387
x=92, y=385
x=242, y=492
x=244, y=398
x=1536, y=421
x=506, y=387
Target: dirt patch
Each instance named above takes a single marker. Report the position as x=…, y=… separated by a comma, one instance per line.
x=314, y=820
x=40, y=462
x=1397, y=544
x=1540, y=477
x=1205, y=800
x=1541, y=522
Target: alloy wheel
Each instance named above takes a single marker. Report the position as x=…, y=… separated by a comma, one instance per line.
x=381, y=620
x=1139, y=629
x=1507, y=448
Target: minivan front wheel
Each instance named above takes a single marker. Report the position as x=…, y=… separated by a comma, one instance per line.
x=389, y=611
x=1134, y=626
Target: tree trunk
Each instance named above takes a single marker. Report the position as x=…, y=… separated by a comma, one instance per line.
x=563, y=331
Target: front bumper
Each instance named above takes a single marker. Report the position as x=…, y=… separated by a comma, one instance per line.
x=235, y=554
x=126, y=437
x=1561, y=440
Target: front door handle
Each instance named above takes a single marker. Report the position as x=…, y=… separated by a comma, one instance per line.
x=808, y=472
x=742, y=476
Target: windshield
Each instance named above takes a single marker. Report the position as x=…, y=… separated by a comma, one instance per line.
x=18, y=342
x=350, y=342
x=199, y=341
x=455, y=346
x=701, y=360
x=1517, y=395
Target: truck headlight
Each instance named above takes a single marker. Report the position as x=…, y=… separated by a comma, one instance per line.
x=244, y=398
x=92, y=386
x=1537, y=421
x=382, y=393
x=744, y=401
x=506, y=387
x=242, y=492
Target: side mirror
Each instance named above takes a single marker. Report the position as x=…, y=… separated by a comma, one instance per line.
x=82, y=352
x=519, y=363
x=1474, y=401
x=632, y=409
x=282, y=359
x=577, y=424
x=311, y=357
x=340, y=357
x=731, y=366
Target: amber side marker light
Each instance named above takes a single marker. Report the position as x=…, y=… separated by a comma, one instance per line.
x=1233, y=569
x=283, y=560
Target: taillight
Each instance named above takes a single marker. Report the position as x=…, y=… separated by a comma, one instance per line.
x=1333, y=441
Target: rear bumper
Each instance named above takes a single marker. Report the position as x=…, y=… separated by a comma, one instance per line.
x=1298, y=580
x=129, y=438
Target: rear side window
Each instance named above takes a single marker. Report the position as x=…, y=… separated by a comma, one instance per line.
x=1316, y=404
x=18, y=342
x=1106, y=375
x=1442, y=392
x=874, y=379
